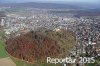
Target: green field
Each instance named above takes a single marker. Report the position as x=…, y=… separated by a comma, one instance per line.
x=2, y=50
x=92, y=64
x=1, y=34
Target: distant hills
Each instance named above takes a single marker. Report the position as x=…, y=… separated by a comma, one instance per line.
x=52, y=5
x=42, y=5
x=76, y=8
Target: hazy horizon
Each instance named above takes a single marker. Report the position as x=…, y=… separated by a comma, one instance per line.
x=52, y=1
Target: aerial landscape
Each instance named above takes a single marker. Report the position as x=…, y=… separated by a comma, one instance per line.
x=49, y=33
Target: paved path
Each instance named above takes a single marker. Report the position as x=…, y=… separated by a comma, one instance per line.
x=6, y=62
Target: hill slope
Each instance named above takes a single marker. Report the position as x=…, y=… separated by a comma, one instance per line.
x=38, y=45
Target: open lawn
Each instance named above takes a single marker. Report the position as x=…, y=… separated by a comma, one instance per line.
x=3, y=52
x=1, y=34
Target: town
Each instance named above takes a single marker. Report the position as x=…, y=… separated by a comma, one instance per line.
x=86, y=28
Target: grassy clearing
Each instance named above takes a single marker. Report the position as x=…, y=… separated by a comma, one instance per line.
x=92, y=64
x=3, y=52
x=1, y=34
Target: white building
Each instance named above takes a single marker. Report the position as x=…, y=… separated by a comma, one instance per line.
x=2, y=22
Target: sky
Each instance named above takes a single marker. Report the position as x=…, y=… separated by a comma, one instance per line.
x=50, y=1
